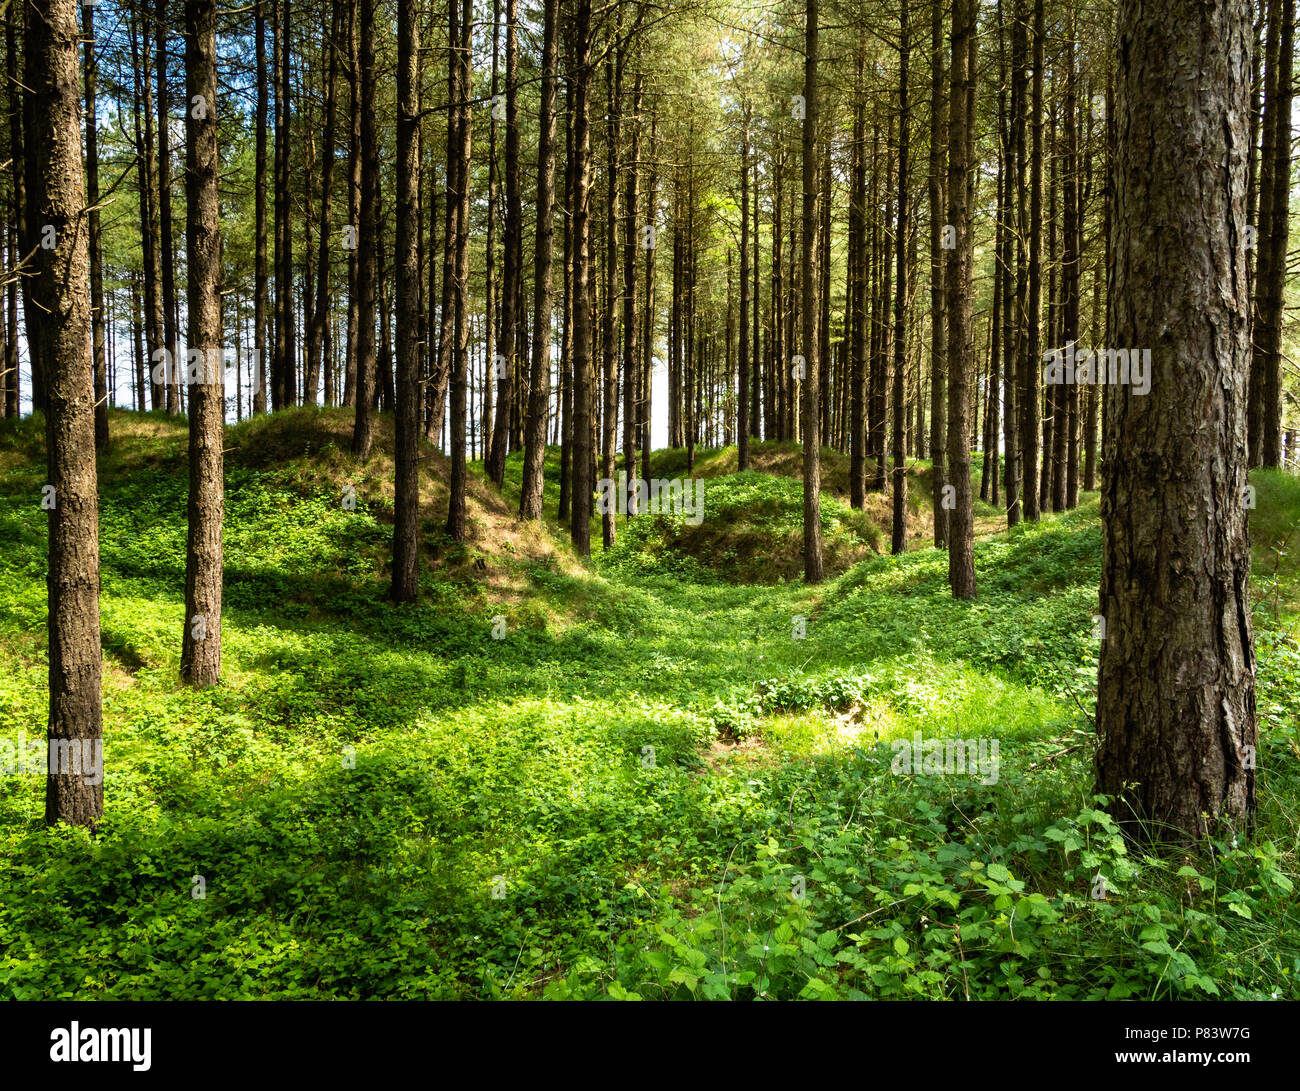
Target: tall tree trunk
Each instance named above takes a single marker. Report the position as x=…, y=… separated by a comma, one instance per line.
x=631, y=353
x=17, y=228
x=367, y=236
x=60, y=292
x=319, y=347
x=1176, y=687
x=511, y=271
x=898, y=541
x=1031, y=383
x=166, y=246
x=1019, y=374
x=201, y=640
x=583, y=378
x=406, y=497
x=491, y=298
x=609, y=313
x=742, y=391
x=1266, y=370
x=539, y=384
x=146, y=168
x=352, y=239
x=812, y=520
x=857, y=290
x=260, y=293
x=938, y=300
x=1010, y=318
x=460, y=349
x=566, y=324
x=99, y=358
x=1072, y=245
x=957, y=281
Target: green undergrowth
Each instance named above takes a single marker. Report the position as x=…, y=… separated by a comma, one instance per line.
x=662, y=781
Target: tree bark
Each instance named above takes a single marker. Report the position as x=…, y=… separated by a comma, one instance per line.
x=812, y=521
x=460, y=349
x=367, y=236
x=166, y=255
x=406, y=484
x=1176, y=687
x=583, y=378
x=961, y=558
x=898, y=538
x=938, y=299
x=1266, y=370
x=1031, y=384
x=60, y=291
x=90, y=69
x=201, y=639
x=260, y=292
x=539, y=385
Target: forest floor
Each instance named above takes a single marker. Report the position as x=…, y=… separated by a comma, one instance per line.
x=670, y=773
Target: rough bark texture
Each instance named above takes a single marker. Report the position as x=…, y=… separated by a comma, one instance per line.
x=260, y=294
x=201, y=641
x=583, y=378
x=539, y=384
x=460, y=348
x=1176, y=694
x=511, y=272
x=742, y=387
x=1031, y=383
x=60, y=290
x=938, y=300
x=898, y=538
x=406, y=499
x=812, y=520
x=1266, y=378
x=961, y=340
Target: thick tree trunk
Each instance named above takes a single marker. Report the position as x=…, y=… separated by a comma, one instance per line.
x=201, y=640
x=1176, y=689
x=60, y=291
